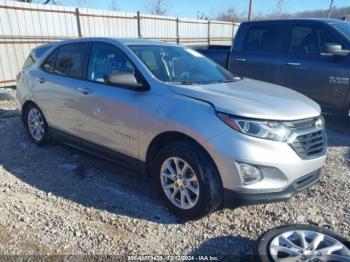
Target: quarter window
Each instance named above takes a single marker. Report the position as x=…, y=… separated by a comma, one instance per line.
x=29, y=62
x=106, y=59
x=263, y=39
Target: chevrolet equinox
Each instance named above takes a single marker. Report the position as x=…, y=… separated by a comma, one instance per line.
x=208, y=138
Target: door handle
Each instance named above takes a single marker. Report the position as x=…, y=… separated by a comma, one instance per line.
x=41, y=80
x=84, y=90
x=293, y=64
x=241, y=59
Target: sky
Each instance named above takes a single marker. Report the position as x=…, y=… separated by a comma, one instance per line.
x=190, y=8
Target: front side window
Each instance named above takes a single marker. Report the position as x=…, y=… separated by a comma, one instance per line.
x=263, y=39
x=304, y=40
x=71, y=60
x=106, y=59
x=326, y=39
x=310, y=40
x=181, y=65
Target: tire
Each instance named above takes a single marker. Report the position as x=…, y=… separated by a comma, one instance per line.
x=200, y=174
x=264, y=254
x=43, y=136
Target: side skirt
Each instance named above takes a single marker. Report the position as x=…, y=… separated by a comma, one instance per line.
x=120, y=159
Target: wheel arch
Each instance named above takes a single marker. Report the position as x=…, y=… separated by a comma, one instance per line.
x=165, y=138
x=25, y=105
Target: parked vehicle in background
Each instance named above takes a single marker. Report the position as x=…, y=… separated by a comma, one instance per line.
x=307, y=55
x=202, y=134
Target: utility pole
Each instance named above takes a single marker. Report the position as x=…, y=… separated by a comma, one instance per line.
x=330, y=9
x=250, y=9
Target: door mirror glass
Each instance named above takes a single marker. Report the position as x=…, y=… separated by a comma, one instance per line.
x=122, y=78
x=336, y=50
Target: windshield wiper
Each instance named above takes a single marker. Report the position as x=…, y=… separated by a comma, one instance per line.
x=236, y=78
x=182, y=82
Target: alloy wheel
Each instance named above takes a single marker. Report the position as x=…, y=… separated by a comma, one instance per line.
x=179, y=182
x=305, y=245
x=36, y=124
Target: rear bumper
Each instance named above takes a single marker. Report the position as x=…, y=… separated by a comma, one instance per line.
x=235, y=198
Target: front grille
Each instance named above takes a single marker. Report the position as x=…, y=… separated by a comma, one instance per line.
x=309, y=145
x=310, y=140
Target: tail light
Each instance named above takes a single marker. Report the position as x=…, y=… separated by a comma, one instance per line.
x=18, y=76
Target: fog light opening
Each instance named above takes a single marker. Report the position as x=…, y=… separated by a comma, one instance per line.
x=249, y=174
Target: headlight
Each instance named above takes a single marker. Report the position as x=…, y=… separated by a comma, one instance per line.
x=272, y=130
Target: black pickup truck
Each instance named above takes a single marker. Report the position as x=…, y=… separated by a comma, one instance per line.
x=308, y=55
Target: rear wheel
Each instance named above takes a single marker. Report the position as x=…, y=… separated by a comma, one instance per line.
x=188, y=180
x=36, y=124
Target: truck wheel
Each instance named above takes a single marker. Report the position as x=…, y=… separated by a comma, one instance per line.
x=188, y=181
x=302, y=243
x=35, y=124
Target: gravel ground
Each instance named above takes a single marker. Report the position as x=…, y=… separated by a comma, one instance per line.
x=56, y=200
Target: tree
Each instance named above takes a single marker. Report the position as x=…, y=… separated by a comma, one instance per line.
x=202, y=16
x=157, y=7
x=279, y=11
x=231, y=14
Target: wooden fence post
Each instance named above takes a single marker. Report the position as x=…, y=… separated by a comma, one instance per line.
x=208, y=32
x=233, y=30
x=78, y=22
x=177, y=31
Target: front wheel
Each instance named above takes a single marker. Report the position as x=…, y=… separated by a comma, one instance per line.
x=188, y=180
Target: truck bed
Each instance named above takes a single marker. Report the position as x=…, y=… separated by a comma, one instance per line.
x=218, y=53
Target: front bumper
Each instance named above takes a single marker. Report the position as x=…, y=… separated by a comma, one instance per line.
x=235, y=198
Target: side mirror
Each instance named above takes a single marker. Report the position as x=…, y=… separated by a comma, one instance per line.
x=123, y=79
x=336, y=50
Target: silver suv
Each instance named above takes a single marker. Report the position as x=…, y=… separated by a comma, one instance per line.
x=206, y=137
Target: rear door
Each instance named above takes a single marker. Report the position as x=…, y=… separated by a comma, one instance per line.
x=309, y=69
x=58, y=83
x=257, y=51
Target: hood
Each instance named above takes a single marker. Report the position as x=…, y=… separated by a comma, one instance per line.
x=253, y=99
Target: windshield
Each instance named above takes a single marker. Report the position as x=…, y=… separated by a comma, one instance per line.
x=180, y=65
x=344, y=28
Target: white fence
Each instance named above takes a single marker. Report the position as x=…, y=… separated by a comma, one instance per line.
x=24, y=26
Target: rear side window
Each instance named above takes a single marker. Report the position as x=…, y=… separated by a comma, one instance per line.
x=68, y=60
x=49, y=64
x=263, y=39
x=71, y=60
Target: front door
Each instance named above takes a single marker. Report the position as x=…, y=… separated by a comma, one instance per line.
x=109, y=115
x=309, y=69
